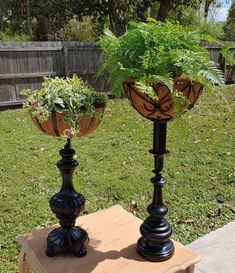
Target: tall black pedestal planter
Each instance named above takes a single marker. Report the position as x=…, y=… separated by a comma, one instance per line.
x=67, y=205
x=155, y=244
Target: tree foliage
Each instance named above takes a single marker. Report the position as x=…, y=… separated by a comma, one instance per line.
x=50, y=15
x=230, y=25
x=42, y=19
x=9, y=16
x=118, y=12
x=83, y=31
x=195, y=18
x=207, y=5
x=167, y=5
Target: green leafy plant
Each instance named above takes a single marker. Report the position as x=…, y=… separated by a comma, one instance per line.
x=228, y=53
x=157, y=52
x=82, y=31
x=8, y=37
x=69, y=95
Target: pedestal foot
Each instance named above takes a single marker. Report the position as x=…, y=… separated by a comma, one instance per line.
x=73, y=240
x=155, y=252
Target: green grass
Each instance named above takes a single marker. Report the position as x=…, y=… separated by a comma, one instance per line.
x=115, y=168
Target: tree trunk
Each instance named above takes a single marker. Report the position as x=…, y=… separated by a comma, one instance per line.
x=29, y=20
x=50, y=33
x=1, y=20
x=116, y=18
x=206, y=10
x=165, y=6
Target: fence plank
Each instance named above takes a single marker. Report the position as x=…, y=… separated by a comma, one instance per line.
x=66, y=64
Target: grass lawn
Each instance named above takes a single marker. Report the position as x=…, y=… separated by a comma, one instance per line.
x=115, y=168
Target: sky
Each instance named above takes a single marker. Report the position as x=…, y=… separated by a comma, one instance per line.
x=220, y=14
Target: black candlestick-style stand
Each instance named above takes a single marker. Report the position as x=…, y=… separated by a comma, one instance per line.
x=155, y=244
x=67, y=205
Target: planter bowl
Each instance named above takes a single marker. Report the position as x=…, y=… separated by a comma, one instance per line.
x=162, y=109
x=55, y=125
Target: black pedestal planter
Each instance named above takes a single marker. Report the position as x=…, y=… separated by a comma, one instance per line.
x=155, y=244
x=67, y=205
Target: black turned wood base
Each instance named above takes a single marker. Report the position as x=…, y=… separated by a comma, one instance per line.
x=155, y=244
x=67, y=205
x=155, y=252
x=67, y=240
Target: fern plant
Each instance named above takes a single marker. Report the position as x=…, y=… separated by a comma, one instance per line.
x=157, y=52
x=228, y=53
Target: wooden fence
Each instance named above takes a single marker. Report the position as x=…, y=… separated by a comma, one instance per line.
x=216, y=56
x=24, y=64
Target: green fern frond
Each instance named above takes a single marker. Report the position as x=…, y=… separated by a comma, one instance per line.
x=212, y=74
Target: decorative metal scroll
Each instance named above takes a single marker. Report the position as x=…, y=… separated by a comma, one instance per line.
x=162, y=109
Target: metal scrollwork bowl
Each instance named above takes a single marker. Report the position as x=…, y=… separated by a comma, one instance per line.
x=163, y=108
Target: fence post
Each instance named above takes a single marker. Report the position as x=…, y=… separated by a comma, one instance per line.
x=66, y=64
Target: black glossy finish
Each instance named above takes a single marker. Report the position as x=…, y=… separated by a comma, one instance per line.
x=155, y=244
x=67, y=205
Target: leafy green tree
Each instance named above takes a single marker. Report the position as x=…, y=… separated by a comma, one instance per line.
x=86, y=30
x=39, y=18
x=50, y=15
x=3, y=11
x=230, y=24
x=167, y=5
x=42, y=19
x=207, y=6
x=118, y=12
x=111, y=12
x=195, y=19
x=11, y=21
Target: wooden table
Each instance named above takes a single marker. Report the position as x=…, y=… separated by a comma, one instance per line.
x=113, y=234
